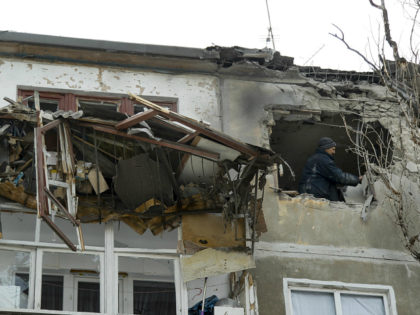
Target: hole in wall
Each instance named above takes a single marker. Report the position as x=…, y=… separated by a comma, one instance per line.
x=296, y=141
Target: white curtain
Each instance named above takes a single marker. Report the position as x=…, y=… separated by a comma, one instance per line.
x=313, y=303
x=362, y=305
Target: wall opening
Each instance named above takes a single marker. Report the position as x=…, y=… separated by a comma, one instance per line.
x=296, y=134
x=297, y=140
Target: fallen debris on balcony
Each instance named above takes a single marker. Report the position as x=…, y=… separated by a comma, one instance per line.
x=155, y=170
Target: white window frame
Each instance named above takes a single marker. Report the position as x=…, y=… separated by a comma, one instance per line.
x=181, y=293
x=337, y=288
x=108, y=270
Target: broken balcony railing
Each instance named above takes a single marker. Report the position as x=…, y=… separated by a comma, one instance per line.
x=147, y=177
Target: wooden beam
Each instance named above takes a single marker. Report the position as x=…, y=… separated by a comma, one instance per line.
x=188, y=137
x=135, y=119
x=198, y=126
x=50, y=125
x=162, y=143
x=170, y=125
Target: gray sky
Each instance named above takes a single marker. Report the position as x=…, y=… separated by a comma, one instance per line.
x=300, y=27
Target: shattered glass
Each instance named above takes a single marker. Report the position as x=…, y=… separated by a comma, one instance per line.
x=14, y=279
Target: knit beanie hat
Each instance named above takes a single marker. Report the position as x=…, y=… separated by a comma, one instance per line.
x=326, y=143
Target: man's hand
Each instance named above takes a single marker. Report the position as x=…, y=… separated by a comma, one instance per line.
x=360, y=179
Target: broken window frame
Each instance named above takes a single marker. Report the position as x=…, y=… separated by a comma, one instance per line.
x=44, y=196
x=337, y=288
x=69, y=100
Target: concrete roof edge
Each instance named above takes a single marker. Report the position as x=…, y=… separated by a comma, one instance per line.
x=105, y=45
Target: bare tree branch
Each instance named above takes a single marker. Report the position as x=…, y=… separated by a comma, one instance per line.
x=341, y=38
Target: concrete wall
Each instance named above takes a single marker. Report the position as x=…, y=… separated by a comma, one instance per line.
x=315, y=239
x=403, y=277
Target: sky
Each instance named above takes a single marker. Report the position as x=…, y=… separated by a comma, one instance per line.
x=301, y=27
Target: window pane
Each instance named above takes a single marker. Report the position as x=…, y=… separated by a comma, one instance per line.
x=18, y=226
x=309, y=303
x=22, y=281
x=88, y=297
x=67, y=274
x=14, y=284
x=52, y=292
x=154, y=297
x=362, y=304
x=45, y=104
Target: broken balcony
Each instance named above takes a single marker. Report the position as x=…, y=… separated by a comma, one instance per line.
x=155, y=189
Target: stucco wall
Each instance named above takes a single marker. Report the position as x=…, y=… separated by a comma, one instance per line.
x=197, y=94
x=403, y=277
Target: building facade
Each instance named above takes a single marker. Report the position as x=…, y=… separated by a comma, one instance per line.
x=315, y=254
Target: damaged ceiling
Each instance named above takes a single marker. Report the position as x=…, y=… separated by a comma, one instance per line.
x=148, y=170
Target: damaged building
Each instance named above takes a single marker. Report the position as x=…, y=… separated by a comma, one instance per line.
x=142, y=179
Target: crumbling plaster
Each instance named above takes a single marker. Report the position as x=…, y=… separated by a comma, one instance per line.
x=309, y=221
x=197, y=94
x=245, y=102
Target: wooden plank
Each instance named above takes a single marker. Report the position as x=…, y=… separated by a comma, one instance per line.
x=170, y=125
x=50, y=125
x=202, y=128
x=162, y=143
x=188, y=137
x=135, y=119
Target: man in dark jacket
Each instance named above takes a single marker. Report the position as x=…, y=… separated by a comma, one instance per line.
x=321, y=176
